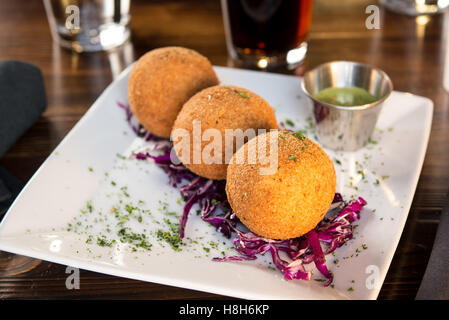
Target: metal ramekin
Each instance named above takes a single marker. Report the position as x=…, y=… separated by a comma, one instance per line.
x=340, y=127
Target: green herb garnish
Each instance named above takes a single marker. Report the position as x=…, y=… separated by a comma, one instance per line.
x=103, y=242
x=239, y=93
x=243, y=94
x=171, y=237
x=289, y=123
x=300, y=135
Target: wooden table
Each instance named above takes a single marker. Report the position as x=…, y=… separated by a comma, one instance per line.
x=411, y=51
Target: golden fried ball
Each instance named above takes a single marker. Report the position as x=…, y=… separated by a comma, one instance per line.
x=222, y=109
x=161, y=81
x=290, y=202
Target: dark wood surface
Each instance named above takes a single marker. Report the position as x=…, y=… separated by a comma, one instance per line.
x=411, y=53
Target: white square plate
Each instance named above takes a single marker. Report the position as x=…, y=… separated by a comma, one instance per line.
x=85, y=165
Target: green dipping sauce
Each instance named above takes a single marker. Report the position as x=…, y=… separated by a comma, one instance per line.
x=346, y=96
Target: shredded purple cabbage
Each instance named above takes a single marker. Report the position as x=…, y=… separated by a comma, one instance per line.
x=138, y=129
x=289, y=256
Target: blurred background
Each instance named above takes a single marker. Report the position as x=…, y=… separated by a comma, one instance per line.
x=410, y=47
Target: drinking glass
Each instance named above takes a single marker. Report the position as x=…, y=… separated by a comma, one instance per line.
x=267, y=34
x=88, y=25
x=416, y=7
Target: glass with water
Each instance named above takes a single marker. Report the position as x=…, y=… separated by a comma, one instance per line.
x=89, y=25
x=416, y=7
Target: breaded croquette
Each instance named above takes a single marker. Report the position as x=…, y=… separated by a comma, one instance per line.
x=290, y=202
x=161, y=81
x=227, y=109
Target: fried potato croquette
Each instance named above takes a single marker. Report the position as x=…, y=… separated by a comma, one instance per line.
x=220, y=110
x=290, y=202
x=162, y=81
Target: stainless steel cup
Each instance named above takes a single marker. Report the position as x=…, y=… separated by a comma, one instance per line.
x=341, y=127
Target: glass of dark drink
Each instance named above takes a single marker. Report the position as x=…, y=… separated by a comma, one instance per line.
x=267, y=34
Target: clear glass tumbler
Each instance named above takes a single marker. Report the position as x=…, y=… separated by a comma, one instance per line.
x=416, y=7
x=267, y=34
x=89, y=25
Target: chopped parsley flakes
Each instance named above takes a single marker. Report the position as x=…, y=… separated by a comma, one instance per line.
x=300, y=135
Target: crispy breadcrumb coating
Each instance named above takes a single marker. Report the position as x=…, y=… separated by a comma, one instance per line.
x=222, y=108
x=290, y=202
x=161, y=81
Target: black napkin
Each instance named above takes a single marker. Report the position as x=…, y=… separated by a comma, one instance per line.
x=22, y=101
x=10, y=187
x=435, y=283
